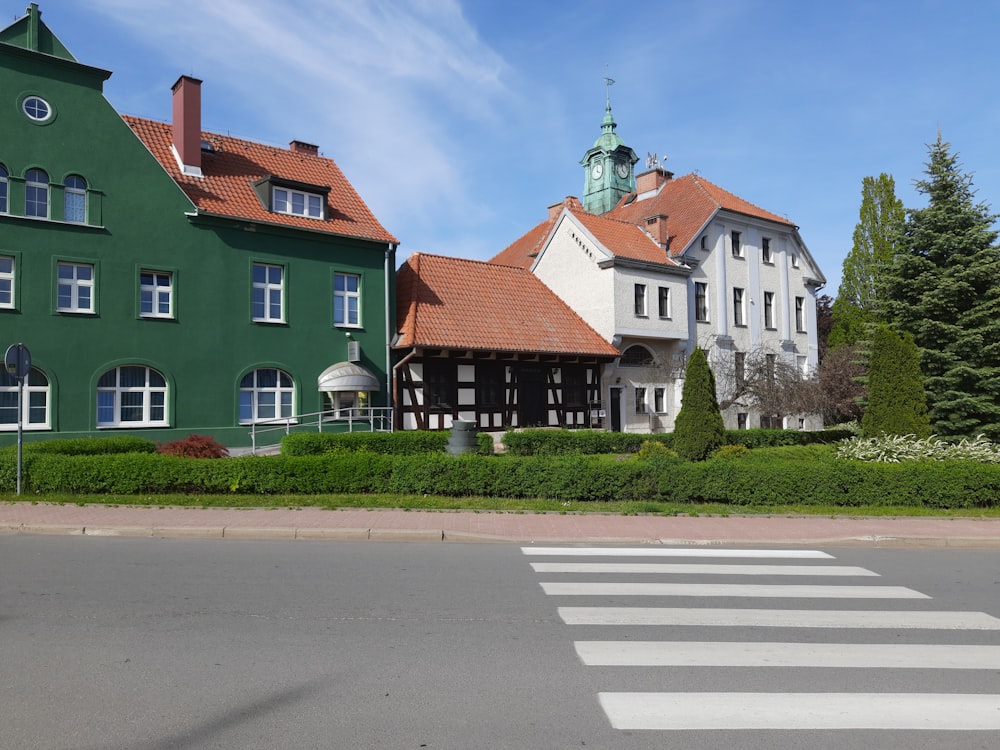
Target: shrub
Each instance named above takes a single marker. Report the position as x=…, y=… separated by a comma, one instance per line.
x=655, y=449
x=896, y=448
x=731, y=451
x=406, y=442
x=194, y=446
x=92, y=446
x=698, y=429
x=896, y=401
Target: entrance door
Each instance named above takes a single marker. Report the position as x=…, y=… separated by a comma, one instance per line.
x=531, y=397
x=615, y=410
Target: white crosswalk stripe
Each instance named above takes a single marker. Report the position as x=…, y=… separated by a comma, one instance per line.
x=703, y=711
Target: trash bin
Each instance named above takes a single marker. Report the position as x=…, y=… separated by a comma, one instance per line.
x=463, y=437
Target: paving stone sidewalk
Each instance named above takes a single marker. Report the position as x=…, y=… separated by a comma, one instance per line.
x=470, y=526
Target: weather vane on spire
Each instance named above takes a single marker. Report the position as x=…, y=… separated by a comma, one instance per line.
x=608, y=82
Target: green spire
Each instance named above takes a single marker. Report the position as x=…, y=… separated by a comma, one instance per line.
x=608, y=165
x=32, y=34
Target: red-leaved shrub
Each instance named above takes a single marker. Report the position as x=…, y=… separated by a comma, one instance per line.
x=193, y=446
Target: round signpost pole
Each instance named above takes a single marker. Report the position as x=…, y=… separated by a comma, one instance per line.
x=18, y=364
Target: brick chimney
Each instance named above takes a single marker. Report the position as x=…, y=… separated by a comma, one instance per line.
x=656, y=225
x=654, y=179
x=187, y=124
x=301, y=147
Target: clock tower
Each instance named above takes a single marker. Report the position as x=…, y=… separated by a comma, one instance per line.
x=609, y=166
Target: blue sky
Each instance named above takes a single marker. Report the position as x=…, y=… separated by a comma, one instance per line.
x=460, y=122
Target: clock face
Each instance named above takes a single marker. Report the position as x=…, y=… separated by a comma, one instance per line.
x=596, y=171
x=622, y=169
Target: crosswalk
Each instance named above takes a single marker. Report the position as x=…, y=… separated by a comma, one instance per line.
x=843, y=602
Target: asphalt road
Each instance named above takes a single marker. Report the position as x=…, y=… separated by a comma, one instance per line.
x=157, y=644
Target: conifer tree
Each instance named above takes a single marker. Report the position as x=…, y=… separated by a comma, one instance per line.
x=943, y=287
x=698, y=429
x=897, y=404
x=876, y=234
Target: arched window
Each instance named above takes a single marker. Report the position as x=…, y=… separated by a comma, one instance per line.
x=75, y=208
x=36, y=194
x=4, y=174
x=34, y=407
x=636, y=356
x=266, y=394
x=132, y=396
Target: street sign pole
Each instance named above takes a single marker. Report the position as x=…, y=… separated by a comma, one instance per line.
x=18, y=364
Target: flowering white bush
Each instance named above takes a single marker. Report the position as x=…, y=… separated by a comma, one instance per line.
x=896, y=448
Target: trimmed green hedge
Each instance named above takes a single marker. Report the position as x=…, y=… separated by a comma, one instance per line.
x=539, y=442
x=784, y=476
x=92, y=446
x=405, y=443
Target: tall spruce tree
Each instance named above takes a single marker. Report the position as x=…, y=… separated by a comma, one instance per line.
x=698, y=429
x=876, y=234
x=943, y=287
x=897, y=404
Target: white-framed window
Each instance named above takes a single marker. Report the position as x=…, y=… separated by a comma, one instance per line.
x=297, y=203
x=4, y=174
x=768, y=309
x=737, y=243
x=664, y=301
x=74, y=287
x=36, y=108
x=703, y=242
x=741, y=420
x=640, y=400
x=132, y=396
x=765, y=250
x=800, y=314
x=795, y=260
x=6, y=281
x=659, y=400
x=740, y=366
x=36, y=193
x=75, y=199
x=266, y=393
x=636, y=356
x=35, y=403
x=156, y=294
x=739, y=311
x=346, y=299
x=802, y=365
x=640, y=300
x=267, y=304
x=701, y=301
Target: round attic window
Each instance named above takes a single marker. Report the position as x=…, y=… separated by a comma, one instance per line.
x=36, y=108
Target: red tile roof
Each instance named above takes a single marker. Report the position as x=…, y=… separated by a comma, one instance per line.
x=689, y=202
x=453, y=303
x=229, y=173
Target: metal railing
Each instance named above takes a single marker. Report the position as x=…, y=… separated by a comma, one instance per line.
x=356, y=419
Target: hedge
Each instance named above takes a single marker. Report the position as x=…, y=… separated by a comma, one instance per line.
x=787, y=477
x=541, y=442
x=407, y=442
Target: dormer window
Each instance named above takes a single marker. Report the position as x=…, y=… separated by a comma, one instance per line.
x=293, y=198
x=297, y=203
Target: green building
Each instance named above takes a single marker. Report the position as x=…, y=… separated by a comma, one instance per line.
x=169, y=281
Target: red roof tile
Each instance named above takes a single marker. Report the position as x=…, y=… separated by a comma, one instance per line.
x=453, y=303
x=229, y=173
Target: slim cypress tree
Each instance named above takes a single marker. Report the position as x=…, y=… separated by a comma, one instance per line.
x=698, y=429
x=897, y=404
x=943, y=287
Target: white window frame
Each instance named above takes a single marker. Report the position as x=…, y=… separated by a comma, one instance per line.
x=800, y=314
x=766, y=254
x=795, y=260
x=739, y=307
x=156, y=293
x=33, y=187
x=660, y=400
x=4, y=190
x=153, y=399
x=640, y=400
x=297, y=203
x=736, y=239
x=75, y=200
x=259, y=399
x=32, y=390
x=344, y=297
x=75, y=285
x=640, y=300
x=7, y=281
x=31, y=107
x=769, y=316
x=265, y=290
x=701, y=311
x=664, y=302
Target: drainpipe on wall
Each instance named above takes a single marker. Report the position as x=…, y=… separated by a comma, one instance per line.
x=389, y=375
